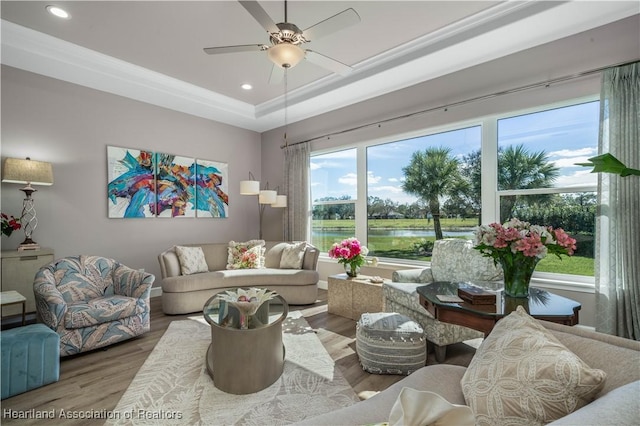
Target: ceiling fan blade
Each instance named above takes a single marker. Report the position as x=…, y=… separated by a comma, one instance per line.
x=328, y=63
x=234, y=49
x=277, y=74
x=260, y=15
x=342, y=20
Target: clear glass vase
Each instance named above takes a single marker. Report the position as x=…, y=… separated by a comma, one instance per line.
x=517, y=275
x=351, y=269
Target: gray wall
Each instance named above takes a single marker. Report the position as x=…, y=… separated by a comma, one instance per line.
x=71, y=127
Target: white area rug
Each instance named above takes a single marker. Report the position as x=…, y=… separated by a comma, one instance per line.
x=173, y=387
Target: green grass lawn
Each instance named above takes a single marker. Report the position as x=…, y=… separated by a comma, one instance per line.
x=404, y=247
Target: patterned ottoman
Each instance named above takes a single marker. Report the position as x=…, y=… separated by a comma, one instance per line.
x=30, y=358
x=390, y=343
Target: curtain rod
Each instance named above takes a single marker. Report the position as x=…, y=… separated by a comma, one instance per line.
x=466, y=101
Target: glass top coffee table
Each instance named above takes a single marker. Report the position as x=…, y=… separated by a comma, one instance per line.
x=242, y=361
x=540, y=304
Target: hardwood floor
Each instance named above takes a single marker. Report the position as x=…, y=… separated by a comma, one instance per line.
x=96, y=380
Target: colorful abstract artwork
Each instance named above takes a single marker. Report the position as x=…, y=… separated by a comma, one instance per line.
x=131, y=188
x=175, y=186
x=212, y=195
x=148, y=184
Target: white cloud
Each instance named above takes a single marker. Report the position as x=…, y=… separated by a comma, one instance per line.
x=385, y=189
x=574, y=152
x=350, y=179
x=581, y=177
x=371, y=179
x=393, y=180
x=570, y=161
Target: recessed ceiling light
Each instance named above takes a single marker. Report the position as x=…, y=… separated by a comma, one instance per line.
x=247, y=86
x=58, y=11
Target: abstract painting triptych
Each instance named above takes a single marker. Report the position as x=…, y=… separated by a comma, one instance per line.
x=151, y=184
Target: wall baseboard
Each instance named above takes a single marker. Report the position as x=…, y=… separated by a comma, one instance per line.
x=156, y=291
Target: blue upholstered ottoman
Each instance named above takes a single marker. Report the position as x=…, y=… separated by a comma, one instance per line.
x=30, y=358
x=390, y=343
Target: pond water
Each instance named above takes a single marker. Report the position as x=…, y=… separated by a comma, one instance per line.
x=395, y=233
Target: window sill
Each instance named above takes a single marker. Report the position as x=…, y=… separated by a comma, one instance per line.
x=577, y=283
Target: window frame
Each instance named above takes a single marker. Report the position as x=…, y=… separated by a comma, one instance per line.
x=490, y=195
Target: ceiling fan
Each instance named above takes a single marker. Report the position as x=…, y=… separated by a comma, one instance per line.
x=286, y=40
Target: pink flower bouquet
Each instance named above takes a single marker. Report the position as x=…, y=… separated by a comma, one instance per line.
x=350, y=253
x=518, y=246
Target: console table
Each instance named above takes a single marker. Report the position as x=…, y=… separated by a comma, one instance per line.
x=540, y=304
x=351, y=297
x=19, y=269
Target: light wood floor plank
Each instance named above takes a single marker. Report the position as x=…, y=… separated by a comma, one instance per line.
x=97, y=380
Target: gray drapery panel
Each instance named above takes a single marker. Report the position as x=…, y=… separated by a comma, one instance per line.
x=296, y=177
x=618, y=221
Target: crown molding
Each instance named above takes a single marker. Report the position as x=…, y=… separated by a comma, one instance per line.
x=40, y=53
x=506, y=28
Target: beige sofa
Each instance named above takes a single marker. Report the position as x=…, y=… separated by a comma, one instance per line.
x=182, y=294
x=617, y=403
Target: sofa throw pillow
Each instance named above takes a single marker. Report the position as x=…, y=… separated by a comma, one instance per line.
x=522, y=374
x=192, y=260
x=293, y=255
x=246, y=255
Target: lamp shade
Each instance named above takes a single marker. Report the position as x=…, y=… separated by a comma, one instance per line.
x=285, y=55
x=16, y=170
x=249, y=187
x=281, y=201
x=267, y=196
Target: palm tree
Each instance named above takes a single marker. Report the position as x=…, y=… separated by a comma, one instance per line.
x=520, y=169
x=430, y=175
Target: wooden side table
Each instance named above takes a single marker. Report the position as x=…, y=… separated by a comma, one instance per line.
x=13, y=298
x=351, y=297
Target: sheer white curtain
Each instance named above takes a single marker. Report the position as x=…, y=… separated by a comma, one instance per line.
x=296, y=177
x=618, y=221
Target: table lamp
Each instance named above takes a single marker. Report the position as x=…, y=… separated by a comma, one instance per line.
x=27, y=172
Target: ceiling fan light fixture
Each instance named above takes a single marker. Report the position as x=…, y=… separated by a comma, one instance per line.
x=285, y=55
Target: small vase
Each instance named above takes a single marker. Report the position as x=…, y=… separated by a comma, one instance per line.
x=517, y=276
x=351, y=269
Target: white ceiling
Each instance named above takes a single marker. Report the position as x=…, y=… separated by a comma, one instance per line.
x=152, y=50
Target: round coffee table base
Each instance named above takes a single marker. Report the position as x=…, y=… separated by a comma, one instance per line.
x=245, y=361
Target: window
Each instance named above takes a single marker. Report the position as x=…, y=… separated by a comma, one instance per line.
x=422, y=187
x=392, y=195
x=539, y=182
x=334, y=184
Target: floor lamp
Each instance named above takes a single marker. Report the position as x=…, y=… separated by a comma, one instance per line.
x=266, y=196
x=28, y=172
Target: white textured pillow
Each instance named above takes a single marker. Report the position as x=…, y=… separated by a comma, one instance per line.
x=191, y=260
x=293, y=255
x=522, y=375
x=246, y=255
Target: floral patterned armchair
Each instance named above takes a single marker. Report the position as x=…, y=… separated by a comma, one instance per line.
x=452, y=260
x=92, y=301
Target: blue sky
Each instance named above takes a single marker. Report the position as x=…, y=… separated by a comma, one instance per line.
x=568, y=135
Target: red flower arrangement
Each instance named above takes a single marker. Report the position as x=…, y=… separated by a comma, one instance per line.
x=9, y=224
